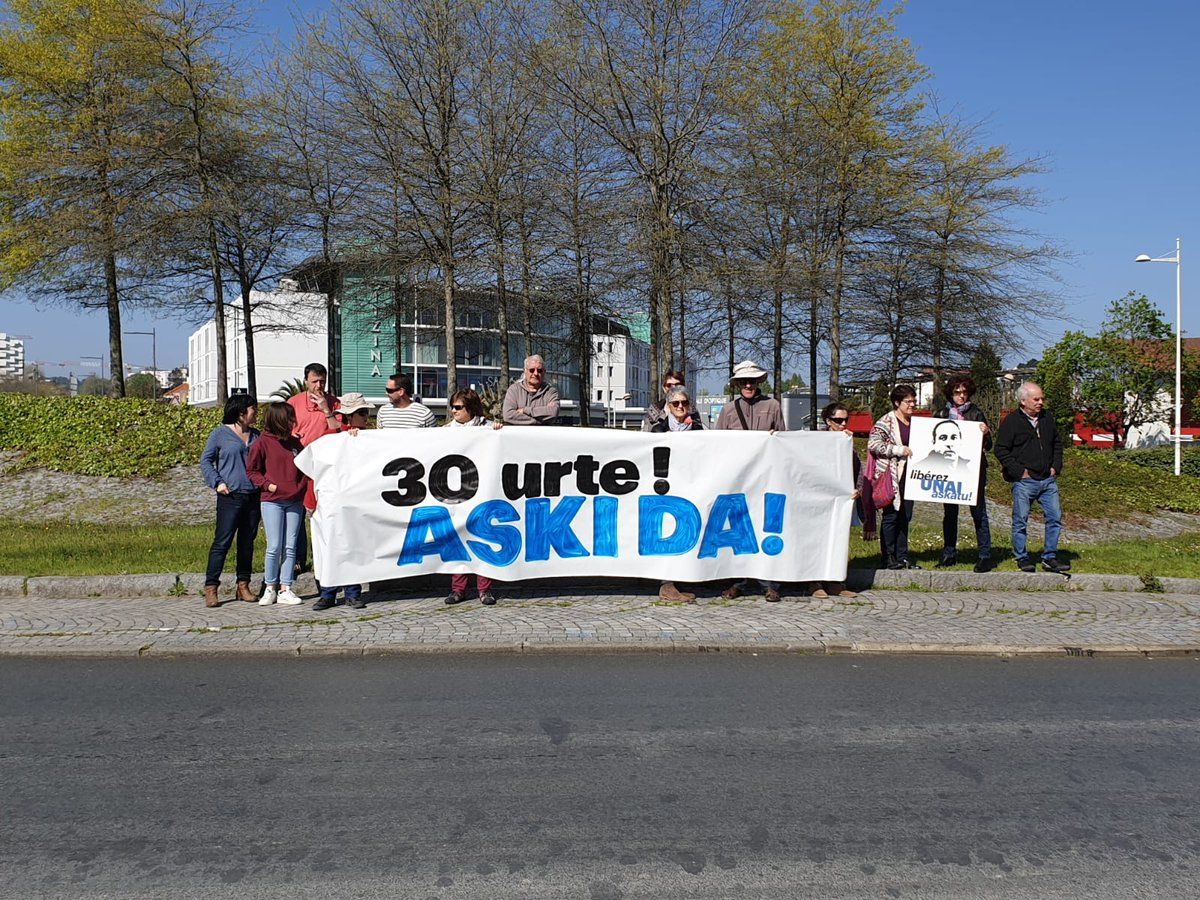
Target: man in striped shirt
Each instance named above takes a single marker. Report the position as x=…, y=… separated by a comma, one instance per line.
x=403, y=411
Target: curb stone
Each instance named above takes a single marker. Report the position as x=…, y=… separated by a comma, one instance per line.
x=12, y=585
x=828, y=648
x=57, y=587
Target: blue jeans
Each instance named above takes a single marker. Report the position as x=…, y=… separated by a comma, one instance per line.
x=353, y=592
x=237, y=515
x=1045, y=493
x=281, y=521
x=983, y=531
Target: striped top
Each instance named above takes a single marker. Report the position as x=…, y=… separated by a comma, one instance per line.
x=415, y=415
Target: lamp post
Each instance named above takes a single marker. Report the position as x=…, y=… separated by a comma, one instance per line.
x=1177, y=259
x=153, y=358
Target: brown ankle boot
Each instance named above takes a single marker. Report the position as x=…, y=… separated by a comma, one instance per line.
x=672, y=594
x=244, y=592
x=210, y=596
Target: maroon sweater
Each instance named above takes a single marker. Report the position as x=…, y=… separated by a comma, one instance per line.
x=272, y=461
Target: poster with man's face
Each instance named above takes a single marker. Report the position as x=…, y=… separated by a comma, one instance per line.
x=945, y=461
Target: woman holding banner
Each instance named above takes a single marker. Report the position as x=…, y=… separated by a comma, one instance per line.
x=836, y=418
x=677, y=417
x=466, y=411
x=959, y=391
x=888, y=444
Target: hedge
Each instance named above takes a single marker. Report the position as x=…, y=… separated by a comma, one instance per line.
x=1163, y=459
x=101, y=436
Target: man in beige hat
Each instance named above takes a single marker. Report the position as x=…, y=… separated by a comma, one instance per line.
x=751, y=410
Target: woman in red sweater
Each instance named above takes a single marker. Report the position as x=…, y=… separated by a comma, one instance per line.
x=271, y=467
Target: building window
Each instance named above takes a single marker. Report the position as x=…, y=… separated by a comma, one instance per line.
x=610, y=371
x=599, y=371
x=599, y=395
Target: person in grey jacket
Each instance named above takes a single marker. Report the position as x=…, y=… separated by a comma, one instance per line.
x=223, y=465
x=531, y=401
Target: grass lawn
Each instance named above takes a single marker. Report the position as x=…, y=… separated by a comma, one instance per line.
x=63, y=549
x=1177, y=557
x=86, y=549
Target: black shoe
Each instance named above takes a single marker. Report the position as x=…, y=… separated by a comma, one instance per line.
x=1026, y=564
x=356, y=603
x=909, y=565
x=321, y=604
x=984, y=565
x=455, y=597
x=487, y=598
x=1052, y=564
x=894, y=566
x=946, y=562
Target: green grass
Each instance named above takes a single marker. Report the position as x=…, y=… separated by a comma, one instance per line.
x=84, y=549
x=1176, y=557
x=70, y=549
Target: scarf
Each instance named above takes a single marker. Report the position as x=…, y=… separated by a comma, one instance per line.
x=674, y=424
x=473, y=423
x=959, y=412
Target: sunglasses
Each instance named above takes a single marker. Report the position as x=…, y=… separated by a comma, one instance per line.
x=392, y=390
x=672, y=384
x=535, y=370
x=457, y=406
x=679, y=403
x=841, y=420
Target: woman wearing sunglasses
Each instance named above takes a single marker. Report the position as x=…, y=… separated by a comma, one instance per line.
x=466, y=411
x=837, y=418
x=678, y=417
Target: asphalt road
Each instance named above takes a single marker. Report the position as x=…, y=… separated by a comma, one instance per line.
x=599, y=777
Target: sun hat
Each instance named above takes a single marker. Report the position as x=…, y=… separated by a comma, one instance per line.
x=747, y=369
x=353, y=403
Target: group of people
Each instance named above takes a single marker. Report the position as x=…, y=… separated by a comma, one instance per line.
x=1027, y=446
x=254, y=475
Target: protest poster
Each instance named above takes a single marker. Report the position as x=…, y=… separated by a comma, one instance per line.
x=523, y=503
x=945, y=461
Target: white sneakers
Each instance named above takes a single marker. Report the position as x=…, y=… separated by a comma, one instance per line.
x=268, y=596
x=287, y=598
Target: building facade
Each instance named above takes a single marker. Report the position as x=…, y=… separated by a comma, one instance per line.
x=12, y=356
x=290, y=331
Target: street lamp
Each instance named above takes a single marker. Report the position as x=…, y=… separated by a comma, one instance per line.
x=153, y=358
x=1177, y=259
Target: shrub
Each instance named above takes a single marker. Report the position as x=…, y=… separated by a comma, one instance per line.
x=102, y=436
x=1163, y=459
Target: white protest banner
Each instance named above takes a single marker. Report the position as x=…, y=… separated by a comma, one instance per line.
x=946, y=456
x=535, y=502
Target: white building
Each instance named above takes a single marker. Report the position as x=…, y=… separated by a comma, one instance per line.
x=621, y=371
x=290, y=331
x=12, y=356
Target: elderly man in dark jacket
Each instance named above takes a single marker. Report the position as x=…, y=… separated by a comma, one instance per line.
x=1031, y=454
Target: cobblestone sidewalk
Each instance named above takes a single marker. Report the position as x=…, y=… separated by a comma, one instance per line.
x=1016, y=622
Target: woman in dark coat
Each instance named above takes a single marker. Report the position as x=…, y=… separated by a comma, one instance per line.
x=959, y=391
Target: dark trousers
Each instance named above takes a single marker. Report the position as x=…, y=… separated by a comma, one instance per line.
x=237, y=514
x=983, y=531
x=893, y=532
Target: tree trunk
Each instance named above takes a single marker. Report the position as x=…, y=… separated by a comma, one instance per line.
x=729, y=325
x=218, y=312
x=835, y=309
x=112, y=302
x=813, y=344
x=451, y=348
x=501, y=295
x=328, y=285
x=777, y=340
x=526, y=287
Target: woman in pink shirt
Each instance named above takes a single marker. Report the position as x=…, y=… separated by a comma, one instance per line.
x=271, y=467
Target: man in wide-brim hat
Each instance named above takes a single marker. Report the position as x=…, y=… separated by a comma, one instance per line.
x=751, y=410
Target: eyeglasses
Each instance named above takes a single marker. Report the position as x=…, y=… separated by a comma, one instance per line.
x=531, y=371
x=672, y=384
x=841, y=420
x=679, y=403
x=457, y=406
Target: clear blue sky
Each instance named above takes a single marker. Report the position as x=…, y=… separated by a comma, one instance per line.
x=1106, y=91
